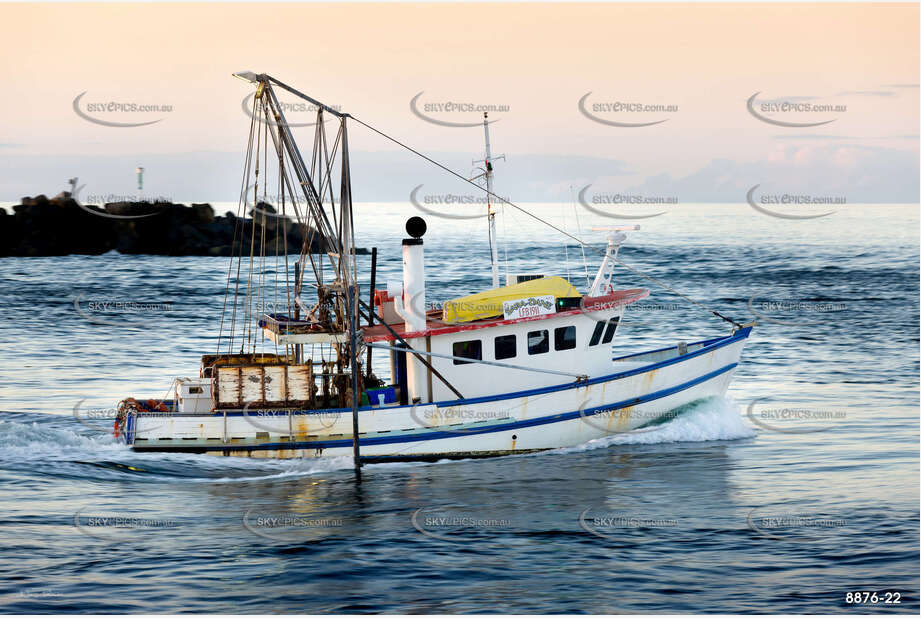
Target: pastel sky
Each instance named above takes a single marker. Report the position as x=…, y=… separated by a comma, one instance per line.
x=700, y=63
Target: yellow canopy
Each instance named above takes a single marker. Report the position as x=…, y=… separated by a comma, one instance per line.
x=488, y=304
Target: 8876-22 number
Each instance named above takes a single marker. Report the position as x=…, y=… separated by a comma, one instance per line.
x=873, y=598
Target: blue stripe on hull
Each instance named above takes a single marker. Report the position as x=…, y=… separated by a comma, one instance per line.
x=709, y=346
x=437, y=435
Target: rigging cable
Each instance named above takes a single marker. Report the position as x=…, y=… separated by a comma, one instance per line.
x=575, y=211
x=545, y=222
x=566, y=248
x=237, y=228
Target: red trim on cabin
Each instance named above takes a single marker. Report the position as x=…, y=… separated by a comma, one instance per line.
x=436, y=326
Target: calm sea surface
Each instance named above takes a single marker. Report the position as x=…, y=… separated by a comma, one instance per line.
x=797, y=489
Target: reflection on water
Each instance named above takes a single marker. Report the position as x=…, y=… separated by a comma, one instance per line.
x=710, y=512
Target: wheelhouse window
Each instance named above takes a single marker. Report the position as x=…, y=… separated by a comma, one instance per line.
x=596, y=334
x=538, y=342
x=505, y=347
x=468, y=349
x=564, y=338
x=609, y=331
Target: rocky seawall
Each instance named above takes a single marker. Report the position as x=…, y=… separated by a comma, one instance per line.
x=40, y=226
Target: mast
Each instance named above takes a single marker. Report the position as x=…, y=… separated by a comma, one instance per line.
x=490, y=212
x=326, y=220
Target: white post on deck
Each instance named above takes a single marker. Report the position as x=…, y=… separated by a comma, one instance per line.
x=413, y=304
x=602, y=283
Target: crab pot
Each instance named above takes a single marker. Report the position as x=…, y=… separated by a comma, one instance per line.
x=262, y=383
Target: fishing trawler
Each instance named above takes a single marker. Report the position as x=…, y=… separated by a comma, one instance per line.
x=521, y=367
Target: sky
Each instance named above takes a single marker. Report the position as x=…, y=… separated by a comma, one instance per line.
x=562, y=81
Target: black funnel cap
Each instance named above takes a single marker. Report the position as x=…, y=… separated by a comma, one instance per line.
x=415, y=227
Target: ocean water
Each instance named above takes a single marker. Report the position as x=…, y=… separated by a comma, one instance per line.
x=793, y=493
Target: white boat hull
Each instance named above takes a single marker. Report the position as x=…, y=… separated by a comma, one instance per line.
x=642, y=390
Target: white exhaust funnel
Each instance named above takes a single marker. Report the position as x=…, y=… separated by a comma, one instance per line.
x=413, y=307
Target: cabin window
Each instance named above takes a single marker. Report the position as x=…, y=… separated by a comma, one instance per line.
x=505, y=347
x=538, y=341
x=564, y=338
x=609, y=331
x=596, y=334
x=468, y=349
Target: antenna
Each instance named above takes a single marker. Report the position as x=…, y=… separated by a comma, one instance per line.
x=487, y=173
